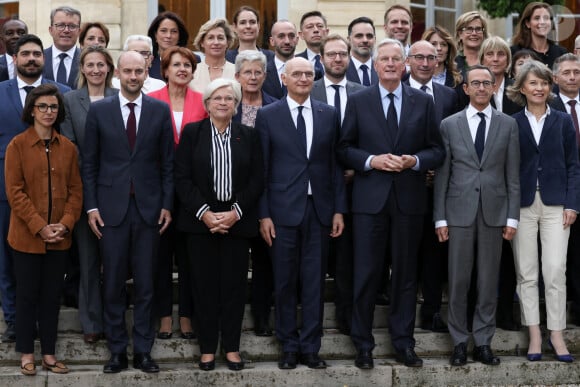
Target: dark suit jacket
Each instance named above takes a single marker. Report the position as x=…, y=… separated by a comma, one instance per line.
x=272, y=83
x=446, y=101
x=110, y=167
x=304, y=54
x=4, y=76
x=319, y=91
x=352, y=74
x=552, y=164
x=11, y=122
x=558, y=104
x=48, y=73
x=194, y=177
x=266, y=100
x=509, y=107
x=232, y=54
x=287, y=170
x=363, y=135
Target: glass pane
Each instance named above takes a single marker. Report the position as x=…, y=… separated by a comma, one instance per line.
x=446, y=19
x=417, y=2
x=418, y=23
x=445, y=3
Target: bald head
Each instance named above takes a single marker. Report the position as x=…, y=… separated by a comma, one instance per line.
x=131, y=71
x=422, y=61
x=298, y=77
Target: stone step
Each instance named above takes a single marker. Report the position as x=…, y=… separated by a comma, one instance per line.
x=72, y=349
x=435, y=372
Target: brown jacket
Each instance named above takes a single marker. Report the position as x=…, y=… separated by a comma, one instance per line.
x=26, y=176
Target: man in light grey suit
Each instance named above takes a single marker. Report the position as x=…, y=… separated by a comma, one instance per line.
x=476, y=203
x=334, y=51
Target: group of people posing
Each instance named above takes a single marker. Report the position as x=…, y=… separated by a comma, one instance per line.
x=386, y=165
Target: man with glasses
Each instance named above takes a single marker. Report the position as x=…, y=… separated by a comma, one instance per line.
x=28, y=64
x=301, y=208
x=144, y=46
x=62, y=58
x=476, y=203
x=11, y=31
x=391, y=139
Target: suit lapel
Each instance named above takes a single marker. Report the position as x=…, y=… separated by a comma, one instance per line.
x=463, y=127
x=286, y=116
x=15, y=96
x=407, y=104
x=118, y=125
x=491, y=135
x=524, y=125
x=548, y=125
x=84, y=99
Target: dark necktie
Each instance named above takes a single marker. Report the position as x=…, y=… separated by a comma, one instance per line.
x=301, y=128
x=480, y=136
x=365, y=72
x=424, y=88
x=131, y=125
x=392, y=123
x=572, y=104
x=61, y=72
x=318, y=68
x=337, y=100
x=28, y=89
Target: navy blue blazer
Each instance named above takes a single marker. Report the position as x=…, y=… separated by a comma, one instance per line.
x=232, y=54
x=363, y=134
x=74, y=68
x=110, y=167
x=3, y=68
x=352, y=74
x=266, y=100
x=11, y=122
x=553, y=163
x=194, y=177
x=287, y=170
x=272, y=84
x=446, y=101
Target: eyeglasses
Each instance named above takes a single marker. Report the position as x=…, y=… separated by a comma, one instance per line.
x=62, y=26
x=477, y=84
x=220, y=99
x=421, y=58
x=145, y=54
x=250, y=74
x=334, y=54
x=300, y=74
x=471, y=30
x=43, y=108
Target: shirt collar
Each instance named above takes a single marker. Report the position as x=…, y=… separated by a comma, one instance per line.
x=216, y=132
x=472, y=111
x=124, y=101
x=21, y=83
x=56, y=52
x=294, y=105
x=566, y=99
x=416, y=85
x=384, y=92
x=310, y=54
x=357, y=63
x=328, y=83
x=531, y=115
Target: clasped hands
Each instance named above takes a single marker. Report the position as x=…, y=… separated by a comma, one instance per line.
x=53, y=233
x=219, y=222
x=392, y=163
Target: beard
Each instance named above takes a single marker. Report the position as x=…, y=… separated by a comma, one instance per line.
x=30, y=72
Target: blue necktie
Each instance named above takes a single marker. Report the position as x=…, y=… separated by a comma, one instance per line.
x=392, y=123
x=61, y=72
x=365, y=72
x=480, y=136
x=337, y=100
x=318, y=68
x=301, y=128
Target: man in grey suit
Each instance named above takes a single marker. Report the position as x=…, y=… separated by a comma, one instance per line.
x=476, y=203
x=334, y=90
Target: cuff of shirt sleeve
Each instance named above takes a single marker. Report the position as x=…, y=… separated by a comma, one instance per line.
x=236, y=207
x=513, y=223
x=368, y=163
x=417, y=165
x=92, y=210
x=440, y=223
x=202, y=210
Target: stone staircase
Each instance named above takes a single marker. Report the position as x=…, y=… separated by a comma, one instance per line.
x=176, y=358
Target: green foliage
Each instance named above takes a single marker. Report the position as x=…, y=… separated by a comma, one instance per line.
x=502, y=8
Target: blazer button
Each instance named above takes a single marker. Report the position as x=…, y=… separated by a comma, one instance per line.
x=539, y=168
x=477, y=190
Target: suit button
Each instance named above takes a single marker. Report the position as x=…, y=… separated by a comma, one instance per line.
x=480, y=169
x=477, y=190
x=539, y=168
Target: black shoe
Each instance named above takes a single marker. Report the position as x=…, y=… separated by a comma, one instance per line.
x=409, y=358
x=9, y=335
x=459, y=357
x=235, y=365
x=187, y=335
x=288, y=361
x=312, y=360
x=364, y=360
x=164, y=335
x=262, y=327
x=117, y=363
x=144, y=362
x=207, y=365
x=485, y=355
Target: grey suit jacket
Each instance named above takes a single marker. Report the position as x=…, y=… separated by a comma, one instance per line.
x=319, y=91
x=462, y=182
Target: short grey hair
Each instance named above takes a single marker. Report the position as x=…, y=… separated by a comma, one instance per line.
x=69, y=11
x=219, y=83
x=564, y=58
x=535, y=67
x=138, y=38
x=389, y=41
x=577, y=41
x=249, y=56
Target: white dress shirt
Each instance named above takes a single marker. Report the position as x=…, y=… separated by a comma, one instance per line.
x=67, y=61
x=330, y=94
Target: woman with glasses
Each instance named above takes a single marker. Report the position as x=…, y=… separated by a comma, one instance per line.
x=533, y=32
x=177, y=67
x=219, y=179
x=165, y=31
x=550, y=200
x=94, y=83
x=446, y=72
x=44, y=190
x=470, y=32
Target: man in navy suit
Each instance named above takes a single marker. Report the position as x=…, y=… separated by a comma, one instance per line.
x=390, y=157
x=313, y=28
x=28, y=63
x=301, y=208
x=422, y=61
x=62, y=58
x=361, y=36
x=283, y=39
x=11, y=31
x=128, y=195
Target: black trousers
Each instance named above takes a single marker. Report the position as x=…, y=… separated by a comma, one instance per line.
x=218, y=266
x=39, y=279
x=262, y=280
